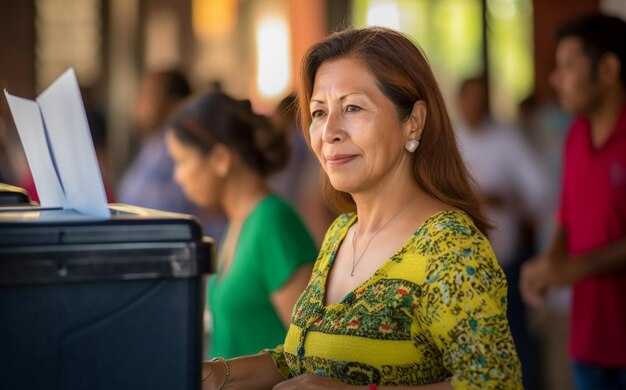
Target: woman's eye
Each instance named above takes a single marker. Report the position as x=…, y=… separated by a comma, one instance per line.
x=317, y=113
x=352, y=108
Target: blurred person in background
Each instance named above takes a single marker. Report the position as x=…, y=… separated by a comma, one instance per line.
x=406, y=291
x=149, y=181
x=299, y=182
x=223, y=153
x=514, y=189
x=588, y=247
x=544, y=125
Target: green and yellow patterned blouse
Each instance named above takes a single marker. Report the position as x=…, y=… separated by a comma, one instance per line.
x=435, y=311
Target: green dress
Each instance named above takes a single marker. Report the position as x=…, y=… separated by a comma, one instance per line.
x=273, y=243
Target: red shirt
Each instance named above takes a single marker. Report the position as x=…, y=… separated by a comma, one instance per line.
x=593, y=212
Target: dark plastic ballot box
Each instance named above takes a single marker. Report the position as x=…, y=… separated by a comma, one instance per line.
x=110, y=304
x=12, y=195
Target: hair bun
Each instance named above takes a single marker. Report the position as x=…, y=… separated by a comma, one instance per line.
x=218, y=118
x=271, y=144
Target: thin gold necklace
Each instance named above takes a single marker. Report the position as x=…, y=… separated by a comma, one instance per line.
x=356, y=260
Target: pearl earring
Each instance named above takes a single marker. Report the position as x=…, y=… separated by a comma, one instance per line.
x=411, y=145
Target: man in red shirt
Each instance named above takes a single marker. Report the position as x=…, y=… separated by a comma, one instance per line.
x=588, y=249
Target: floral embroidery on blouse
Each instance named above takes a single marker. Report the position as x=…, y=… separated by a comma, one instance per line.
x=435, y=311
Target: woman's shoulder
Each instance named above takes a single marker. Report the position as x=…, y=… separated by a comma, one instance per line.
x=335, y=233
x=339, y=226
x=275, y=216
x=451, y=226
x=275, y=208
x=343, y=221
x=273, y=202
x=450, y=237
x=456, y=252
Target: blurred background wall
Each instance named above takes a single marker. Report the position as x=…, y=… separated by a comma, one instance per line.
x=252, y=48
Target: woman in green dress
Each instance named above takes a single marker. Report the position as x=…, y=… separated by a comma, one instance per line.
x=223, y=153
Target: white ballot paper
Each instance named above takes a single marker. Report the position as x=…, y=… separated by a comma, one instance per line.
x=59, y=149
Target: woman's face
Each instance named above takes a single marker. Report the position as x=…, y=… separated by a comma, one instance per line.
x=193, y=172
x=355, y=130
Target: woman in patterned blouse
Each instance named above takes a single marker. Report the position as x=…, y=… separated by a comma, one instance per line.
x=406, y=291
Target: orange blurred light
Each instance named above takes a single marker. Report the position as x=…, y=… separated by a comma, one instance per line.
x=212, y=18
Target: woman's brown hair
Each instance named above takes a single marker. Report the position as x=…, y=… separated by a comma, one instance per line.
x=404, y=76
x=218, y=118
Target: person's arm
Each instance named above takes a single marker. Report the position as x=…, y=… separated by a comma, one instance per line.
x=554, y=268
x=285, y=298
x=609, y=258
x=248, y=372
x=537, y=274
x=462, y=308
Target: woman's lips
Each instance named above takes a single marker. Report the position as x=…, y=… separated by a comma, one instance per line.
x=340, y=159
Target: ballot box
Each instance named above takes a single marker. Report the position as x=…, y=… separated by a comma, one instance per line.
x=12, y=195
x=101, y=304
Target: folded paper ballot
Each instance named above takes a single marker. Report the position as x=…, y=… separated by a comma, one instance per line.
x=55, y=135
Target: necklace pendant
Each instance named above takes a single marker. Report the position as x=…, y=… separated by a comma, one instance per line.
x=352, y=273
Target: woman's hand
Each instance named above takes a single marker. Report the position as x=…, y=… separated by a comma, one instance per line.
x=312, y=382
x=254, y=372
x=213, y=375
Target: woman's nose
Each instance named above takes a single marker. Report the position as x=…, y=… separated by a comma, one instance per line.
x=333, y=128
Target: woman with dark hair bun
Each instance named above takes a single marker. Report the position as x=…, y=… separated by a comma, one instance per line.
x=406, y=291
x=223, y=153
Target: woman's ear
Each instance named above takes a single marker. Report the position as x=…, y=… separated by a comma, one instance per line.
x=416, y=120
x=221, y=159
